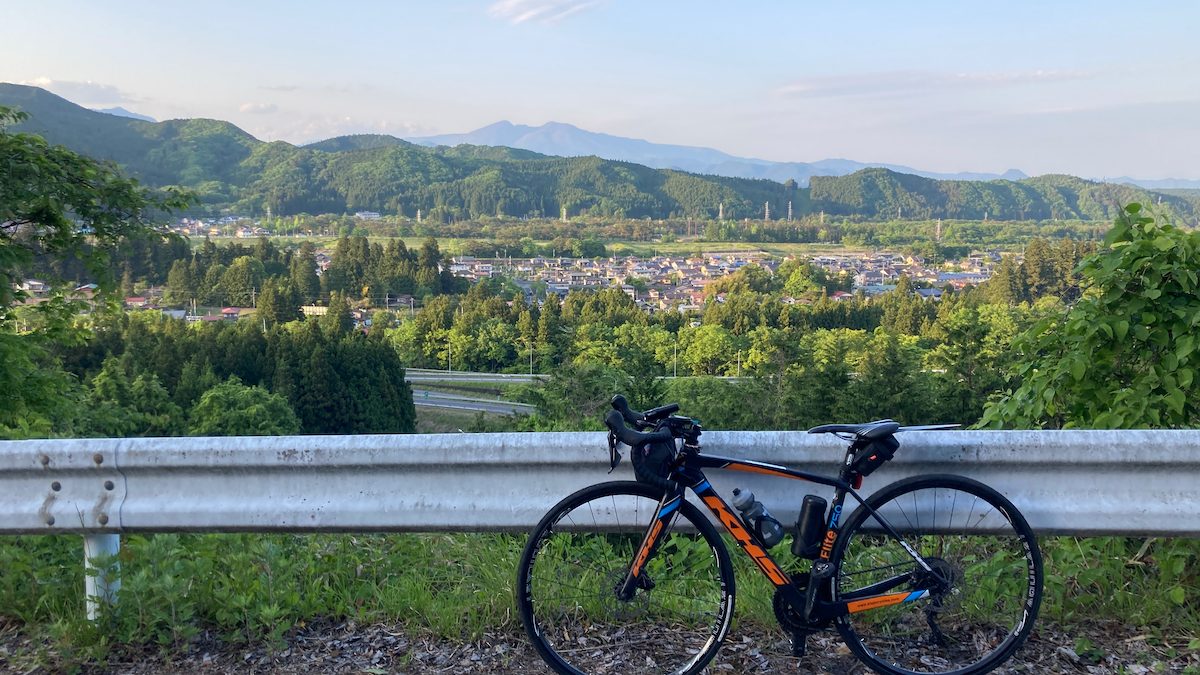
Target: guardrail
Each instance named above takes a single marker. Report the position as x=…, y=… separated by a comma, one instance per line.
x=1066, y=482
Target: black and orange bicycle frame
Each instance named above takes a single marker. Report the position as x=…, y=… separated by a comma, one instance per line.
x=689, y=474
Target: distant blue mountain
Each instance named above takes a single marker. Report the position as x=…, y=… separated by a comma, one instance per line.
x=121, y=112
x=565, y=140
x=1160, y=184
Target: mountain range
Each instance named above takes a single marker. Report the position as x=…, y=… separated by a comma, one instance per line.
x=231, y=170
x=122, y=112
x=565, y=140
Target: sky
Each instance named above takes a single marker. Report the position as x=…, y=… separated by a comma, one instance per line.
x=1091, y=88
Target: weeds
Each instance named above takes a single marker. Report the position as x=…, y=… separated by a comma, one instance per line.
x=249, y=588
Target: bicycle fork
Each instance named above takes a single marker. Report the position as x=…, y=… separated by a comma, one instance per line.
x=668, y=508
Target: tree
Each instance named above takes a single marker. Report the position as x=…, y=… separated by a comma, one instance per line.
x=181, y=287
x=117, y=407
x=338, y=319
x=59, y=203
x=1125, y=356
x=708, y=350
x=890, y=383
x=304, y=273
x=62, y=206
x=241, y=282
x=233, y=409
x=278, y=302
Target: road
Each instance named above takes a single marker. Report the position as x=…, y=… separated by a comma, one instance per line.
x=441, y=399
x=425, y=375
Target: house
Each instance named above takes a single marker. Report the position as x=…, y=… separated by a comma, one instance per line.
x=35, y=288
x=137, y=301
x=234, y=313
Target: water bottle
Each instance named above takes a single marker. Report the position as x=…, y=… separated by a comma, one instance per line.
x=769, y=530
x=810, y=527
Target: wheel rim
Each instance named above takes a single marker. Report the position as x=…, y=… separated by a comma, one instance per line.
x=979, y=594
x=570, y=586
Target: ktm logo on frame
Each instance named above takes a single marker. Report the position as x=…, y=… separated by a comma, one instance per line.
x=649, y=544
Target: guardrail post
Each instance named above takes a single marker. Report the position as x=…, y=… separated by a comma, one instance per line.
x=100, y=582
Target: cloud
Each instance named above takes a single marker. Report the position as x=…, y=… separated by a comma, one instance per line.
x=541, y=11
x=87, y=93
x=302, y=130
x=915, y=82
x=352, y=88
x=258, y=108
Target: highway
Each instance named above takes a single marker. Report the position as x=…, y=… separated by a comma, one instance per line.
x=426, y=375
x=441, y=399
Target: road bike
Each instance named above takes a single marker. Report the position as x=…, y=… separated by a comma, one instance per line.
x=930, y=574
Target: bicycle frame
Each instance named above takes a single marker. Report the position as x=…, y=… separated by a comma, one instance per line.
x=690, y=475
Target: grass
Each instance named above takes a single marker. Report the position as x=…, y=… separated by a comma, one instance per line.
x=500, y=392
x=252, y=588
x=432, y=420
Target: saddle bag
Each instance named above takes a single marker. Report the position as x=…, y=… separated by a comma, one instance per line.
x=874, y=454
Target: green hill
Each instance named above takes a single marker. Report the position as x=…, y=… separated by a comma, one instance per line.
x=881, y=193
x=232, y=170
x=355, y=142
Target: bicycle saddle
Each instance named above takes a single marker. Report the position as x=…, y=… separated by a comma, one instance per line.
x=867, y=431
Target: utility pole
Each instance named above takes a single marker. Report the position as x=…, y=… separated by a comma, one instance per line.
x=766, y=210
x=411, y=311
x=447, y=352
x=739, y=370
x=721, y=211
x=675, y=368
x=789, y=210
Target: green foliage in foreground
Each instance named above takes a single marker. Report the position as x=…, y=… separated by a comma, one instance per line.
x=255, y=588
x=1125, y=356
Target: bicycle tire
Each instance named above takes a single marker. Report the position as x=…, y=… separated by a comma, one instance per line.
x=975, y=538
x=580, y=551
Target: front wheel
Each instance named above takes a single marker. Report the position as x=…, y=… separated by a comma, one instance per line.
x=970, y=611
x=575, y=561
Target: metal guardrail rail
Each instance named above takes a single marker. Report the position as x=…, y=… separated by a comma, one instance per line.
x=1076, y=482
x=1066, y=482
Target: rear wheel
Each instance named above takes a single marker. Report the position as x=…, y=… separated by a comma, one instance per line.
x=971, y=611
x=578, y=555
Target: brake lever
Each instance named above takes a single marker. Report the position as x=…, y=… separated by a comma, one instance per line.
x=614, y=455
